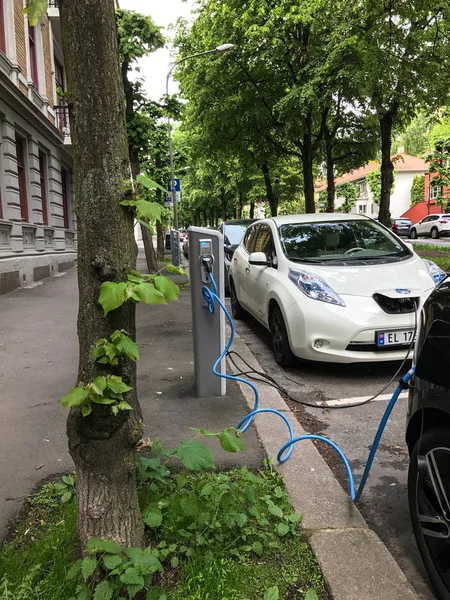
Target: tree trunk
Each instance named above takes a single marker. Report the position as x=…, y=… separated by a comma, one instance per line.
x=387, y=168
x=160, y=241
x=271, y=196
x=331, y=188
x=216, y=220
x=211, y=217
x=308, y=177
x=223, y=203
x=102, y=446
x=240, y=205
x=252, y=210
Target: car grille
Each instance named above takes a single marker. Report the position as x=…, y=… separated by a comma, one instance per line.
x=395, y=306
x=358, y=347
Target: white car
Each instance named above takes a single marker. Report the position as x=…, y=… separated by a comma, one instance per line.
x=432, y=226
x=331, y=287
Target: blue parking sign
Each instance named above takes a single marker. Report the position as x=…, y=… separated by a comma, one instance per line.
x=177, y=185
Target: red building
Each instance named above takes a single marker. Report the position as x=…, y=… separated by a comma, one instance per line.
x=428, y=207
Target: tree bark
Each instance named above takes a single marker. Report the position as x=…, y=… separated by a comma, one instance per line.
x=308, y=178
x=271, y=196
x=101, y=445
x=240, y=205
x=387, y=168
x=160, y=241
x=331, y=188
x=252, y=210
x=223, y=203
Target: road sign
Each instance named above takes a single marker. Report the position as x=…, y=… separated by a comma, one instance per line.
x=177, y=186
x=168, y=202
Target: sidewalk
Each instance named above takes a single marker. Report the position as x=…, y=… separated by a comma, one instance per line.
x=38, y=365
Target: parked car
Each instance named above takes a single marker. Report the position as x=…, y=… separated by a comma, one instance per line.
x=232, y=232
x=182, y=235
x=428, y=439
x=186, y=247
x=432, y=226
x=330, y=287
x=402, y=226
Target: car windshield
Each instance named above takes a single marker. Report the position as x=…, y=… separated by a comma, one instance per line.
x=403, y=221
x=342, y=241
x=233, y=234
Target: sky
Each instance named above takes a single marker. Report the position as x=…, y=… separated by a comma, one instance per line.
x=155, y=67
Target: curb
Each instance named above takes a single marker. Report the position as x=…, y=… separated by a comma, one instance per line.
x=355, y=563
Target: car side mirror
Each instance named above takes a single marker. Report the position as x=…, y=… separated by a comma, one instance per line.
x=259, y=259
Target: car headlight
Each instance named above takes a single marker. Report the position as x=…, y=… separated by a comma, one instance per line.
x=314, y=287
x=436, y=272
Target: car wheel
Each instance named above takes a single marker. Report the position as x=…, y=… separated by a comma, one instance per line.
x=429, y=505
x=280, y=340
x=435, y=233
x=236, y=309
x=413, y=234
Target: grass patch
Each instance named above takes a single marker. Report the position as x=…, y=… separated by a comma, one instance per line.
x=217, y=536
x=432, y=247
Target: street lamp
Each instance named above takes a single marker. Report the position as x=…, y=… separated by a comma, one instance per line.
x=221, y=48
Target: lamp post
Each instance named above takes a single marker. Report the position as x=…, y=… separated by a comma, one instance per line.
x=221, y=48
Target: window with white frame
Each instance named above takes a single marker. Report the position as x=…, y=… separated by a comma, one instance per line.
x=362, y=208
x=362, y=189
x=434, y=192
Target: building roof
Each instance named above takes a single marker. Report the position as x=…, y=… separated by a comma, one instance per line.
x=402, y=162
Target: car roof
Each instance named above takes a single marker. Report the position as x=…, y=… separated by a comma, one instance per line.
x=239, y=222
x=317, y=217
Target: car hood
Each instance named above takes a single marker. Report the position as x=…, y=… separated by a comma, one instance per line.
x=410, y=276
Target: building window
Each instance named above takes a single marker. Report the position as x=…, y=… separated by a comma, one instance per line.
x=362, y=208
x=43, y=184
x=33, y=55
x=20, y=153
x=2, y=28
x=362, y=189
x=65, y=196
x=60, y=80
x=434, y=192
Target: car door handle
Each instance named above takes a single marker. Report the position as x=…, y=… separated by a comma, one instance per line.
x=247, y=269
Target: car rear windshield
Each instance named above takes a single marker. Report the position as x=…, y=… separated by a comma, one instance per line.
x=341, y=242
x=403, y=221
x=233, y=234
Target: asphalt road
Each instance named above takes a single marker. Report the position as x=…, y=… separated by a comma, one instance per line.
x=384, y=503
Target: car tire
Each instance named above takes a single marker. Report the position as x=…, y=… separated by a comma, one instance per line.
x=423, y=503
x=434, y=233
x=280, y=340
x=413, y=234
x=237, y=311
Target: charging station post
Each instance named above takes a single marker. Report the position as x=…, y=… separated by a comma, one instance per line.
x=175, y=247
x=208, y=329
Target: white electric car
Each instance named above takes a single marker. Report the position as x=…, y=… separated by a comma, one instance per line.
x=331, y=287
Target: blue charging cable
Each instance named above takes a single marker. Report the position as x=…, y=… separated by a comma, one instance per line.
x=285, y=452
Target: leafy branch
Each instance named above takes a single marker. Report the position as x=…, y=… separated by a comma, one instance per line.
x=103, y=390
x=106, y=352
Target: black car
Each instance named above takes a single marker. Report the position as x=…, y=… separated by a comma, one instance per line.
x=233, y=232
x=428, y=439
x=402, y=226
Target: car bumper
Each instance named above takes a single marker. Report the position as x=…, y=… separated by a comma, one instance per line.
x=344, y=334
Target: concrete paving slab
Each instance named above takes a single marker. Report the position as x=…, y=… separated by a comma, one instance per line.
x=357, y=566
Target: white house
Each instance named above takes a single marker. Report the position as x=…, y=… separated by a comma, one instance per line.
x=406, y=168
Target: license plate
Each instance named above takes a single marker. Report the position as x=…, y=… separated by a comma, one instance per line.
x=394, y=338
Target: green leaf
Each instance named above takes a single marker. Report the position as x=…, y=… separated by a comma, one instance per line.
x=134, y=589
x=95, y=545
x=174, y=562
x=152, y=516
x=132, y=577
x=207, y=489
x=68, y=479
x=230, y=442
x=99, y=351
x=126, y=346
x=167, y=287
x=149, y=183
x=101, y=399
x=112, y=295
x=149, y=294
x=66, y=497
x=35, y=10
x=195, y=456
x=148, y=210
x=276, y=511
x=111, y=561
x=88, y=566
x=74, y=570
x=296, y=518
x=83, y=592
x=116, y=385
x=75, y=397
x=225, y=501
x=242, y=519
x=190, y=506
x=104, y=590
x=205, y=432
x=86, y=410
x=282, y=529
x=311, y=595
x=257, y=548
x=278, y=492
x=175, y=270
x=124, y=406
x=272, y=593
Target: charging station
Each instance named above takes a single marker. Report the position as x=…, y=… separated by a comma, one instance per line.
x=175, y=247
x=208, y=329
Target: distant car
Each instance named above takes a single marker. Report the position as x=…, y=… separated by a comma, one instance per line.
x=402, y=227
x=233, y=232
x=432, y=226
x=183, y=235
x=186, y=247
x=330, y=287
